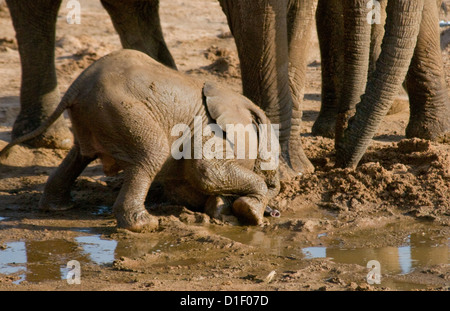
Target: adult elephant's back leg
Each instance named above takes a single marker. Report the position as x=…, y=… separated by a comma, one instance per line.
x=330, y=32
x=300, y=21
x=35, y=23
x=260, y=30
x=425, y=82
x=139, y=27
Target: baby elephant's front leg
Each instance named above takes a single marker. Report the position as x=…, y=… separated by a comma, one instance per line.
x=129, y=207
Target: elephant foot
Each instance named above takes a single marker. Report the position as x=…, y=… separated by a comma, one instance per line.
x=297, y=157
x=286, y=172
x=216, y=206
x=295, y=163
x=137, y=221
x=249, y=210
x=55, y=203
x=301, y=164
x=57, y=136
x=431, y=129
x=325, y=126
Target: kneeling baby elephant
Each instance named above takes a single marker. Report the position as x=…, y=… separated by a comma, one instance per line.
x=124, y=109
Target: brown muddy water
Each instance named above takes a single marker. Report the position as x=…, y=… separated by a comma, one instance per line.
x=39, y=261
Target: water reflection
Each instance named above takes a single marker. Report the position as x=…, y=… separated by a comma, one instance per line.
x=99, y=251
x=13, y=257
x=314, y=252
x=420, y=250
x=46, y=258
x=35, y=261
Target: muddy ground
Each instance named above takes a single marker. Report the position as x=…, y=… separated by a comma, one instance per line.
x=394, y=208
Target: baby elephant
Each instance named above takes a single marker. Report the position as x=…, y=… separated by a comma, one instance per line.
x=128, y=110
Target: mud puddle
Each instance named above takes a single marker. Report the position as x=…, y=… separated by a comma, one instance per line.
x=420, y=250
x=39, y=261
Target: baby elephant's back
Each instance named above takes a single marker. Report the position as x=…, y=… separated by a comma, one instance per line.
x=129, y=75
x=126, y=101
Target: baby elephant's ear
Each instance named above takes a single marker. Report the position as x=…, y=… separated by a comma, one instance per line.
x=226, y=106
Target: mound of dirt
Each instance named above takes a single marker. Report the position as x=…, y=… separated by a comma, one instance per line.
x=409, y=177
x=74, y=54
x=224, y=63
x=8, y=43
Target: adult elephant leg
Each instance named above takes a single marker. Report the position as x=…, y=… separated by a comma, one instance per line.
x=35, y=24
x=330, y=29
x=357, y=38
x=260, y=31
x=300, y=22
x=138, y=24
x=425, y=82
x=402, y=28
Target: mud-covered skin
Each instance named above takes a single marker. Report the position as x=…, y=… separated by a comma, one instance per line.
x=123, y=109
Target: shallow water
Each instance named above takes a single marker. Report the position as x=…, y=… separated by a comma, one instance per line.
x=394, y=260
x=37, y=261
x=98, y=250
x=419, y=250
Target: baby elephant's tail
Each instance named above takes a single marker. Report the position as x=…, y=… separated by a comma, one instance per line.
x=63, y=105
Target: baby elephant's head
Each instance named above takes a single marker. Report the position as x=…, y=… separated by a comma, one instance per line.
x=248, y=132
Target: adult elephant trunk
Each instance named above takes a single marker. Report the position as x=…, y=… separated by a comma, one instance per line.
x=402, y=28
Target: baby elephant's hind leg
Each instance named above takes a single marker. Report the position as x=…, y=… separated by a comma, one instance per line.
x=218, y=177
x=129, y=207
x=56, y=194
